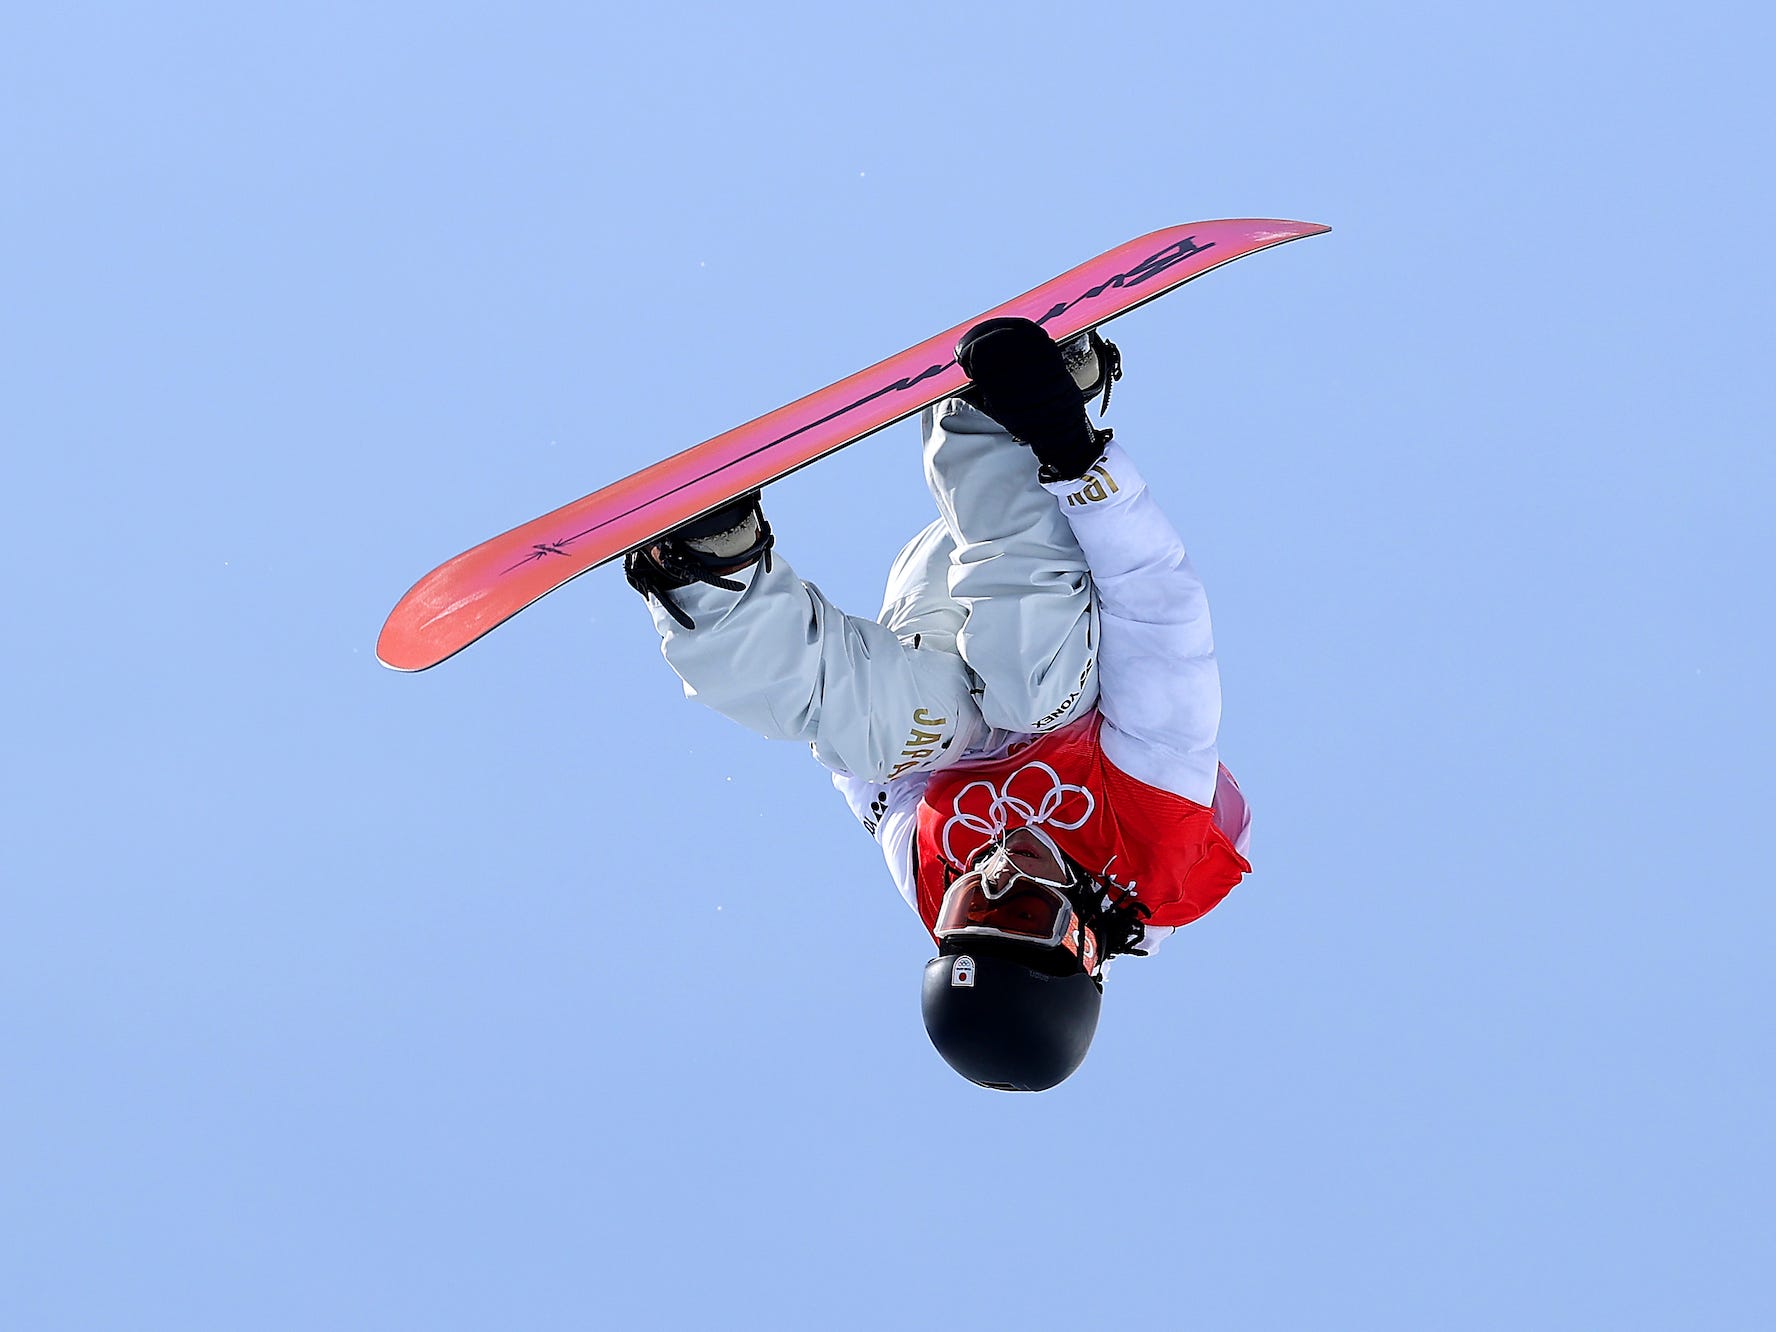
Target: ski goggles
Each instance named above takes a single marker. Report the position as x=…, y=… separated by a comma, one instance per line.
x=1023, y=907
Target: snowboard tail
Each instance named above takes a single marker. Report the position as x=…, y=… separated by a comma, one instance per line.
x=468, y=596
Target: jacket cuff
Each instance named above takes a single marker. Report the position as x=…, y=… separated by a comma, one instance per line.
x=1111, y=480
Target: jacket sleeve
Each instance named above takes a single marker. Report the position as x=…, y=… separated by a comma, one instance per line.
x=889, y=812
x=1159, y=687
x=781, y=659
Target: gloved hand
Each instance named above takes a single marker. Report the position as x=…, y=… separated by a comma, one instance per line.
x=1022, y=382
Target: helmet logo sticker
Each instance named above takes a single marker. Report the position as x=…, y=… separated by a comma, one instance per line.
x=962, y=973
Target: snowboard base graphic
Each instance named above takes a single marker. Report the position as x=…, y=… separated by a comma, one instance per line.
x=470, y=595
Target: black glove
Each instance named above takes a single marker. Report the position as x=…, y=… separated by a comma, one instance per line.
x=1021, y=381
x=689, y=555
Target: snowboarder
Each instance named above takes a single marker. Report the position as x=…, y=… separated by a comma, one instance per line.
x=1029, y=727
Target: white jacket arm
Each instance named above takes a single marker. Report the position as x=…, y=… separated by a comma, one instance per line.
x=889, y=812
x=781, y=659
x=1159, y=687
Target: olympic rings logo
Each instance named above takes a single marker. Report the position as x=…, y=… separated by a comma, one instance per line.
x=986, y=810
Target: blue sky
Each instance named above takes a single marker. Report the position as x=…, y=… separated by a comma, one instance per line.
x=523, y=993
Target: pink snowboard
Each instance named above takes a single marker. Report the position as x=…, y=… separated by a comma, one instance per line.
x=466, y=597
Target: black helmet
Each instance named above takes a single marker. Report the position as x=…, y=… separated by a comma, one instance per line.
x=1010, y=1018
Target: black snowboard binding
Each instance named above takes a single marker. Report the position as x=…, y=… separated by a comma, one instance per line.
x=1024, y=382
x=705, y=550
x=1095, y=363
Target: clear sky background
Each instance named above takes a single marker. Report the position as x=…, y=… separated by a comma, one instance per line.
x=524, y=993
